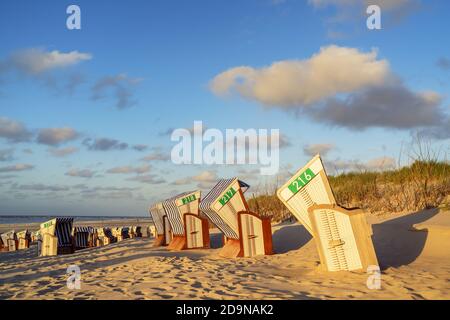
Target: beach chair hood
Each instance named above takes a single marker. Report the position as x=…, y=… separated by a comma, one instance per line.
x=307, y=187
x=157, y=213
x=176, y=207
x=217, y=198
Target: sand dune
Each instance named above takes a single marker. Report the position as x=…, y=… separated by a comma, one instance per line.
x=412, y=250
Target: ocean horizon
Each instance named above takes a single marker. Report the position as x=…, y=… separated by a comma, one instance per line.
x=23, y=219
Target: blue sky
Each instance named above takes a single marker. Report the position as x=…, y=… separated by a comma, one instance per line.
x=141, y=68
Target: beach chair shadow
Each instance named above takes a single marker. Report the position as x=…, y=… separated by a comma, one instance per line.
x=395, y=241
x=290, y=238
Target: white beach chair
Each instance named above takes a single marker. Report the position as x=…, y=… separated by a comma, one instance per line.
x=9, y=240
x=104, y=237
x=121, y=233
x=162, y=225
x=189, y=229
x=23, y=239
x=343, y=238
x=307, y=187
x=35, y=236
x=246, y=234
x=57, y=237
x=83, y=237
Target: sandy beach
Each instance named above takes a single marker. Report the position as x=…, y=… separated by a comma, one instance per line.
x=413, y=251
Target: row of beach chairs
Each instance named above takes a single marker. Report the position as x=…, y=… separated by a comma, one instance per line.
x=12, y=241
x=342, y=236
x=182, y=221
x=58, y=236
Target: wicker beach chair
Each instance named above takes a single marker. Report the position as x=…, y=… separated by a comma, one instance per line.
x=137, y=231
x=104, y=237
x=189, y=229
x=9, y=240
x=23, y=239
x=246, y=234
x=307, y=187
x=35, y=236
x=342, y=236
x=121, y=233
x=162, y=225
x=57, y=237
x=84, y=237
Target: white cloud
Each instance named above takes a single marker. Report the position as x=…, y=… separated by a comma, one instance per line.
x=62, y=152
x=294, y=83
x=13, y=131
x=85, y=173
x=129, y=169
x=320, y=148
x=36, y=60
x=17, y=167
x=56, y=136
x=149, y=179
x=205, y=179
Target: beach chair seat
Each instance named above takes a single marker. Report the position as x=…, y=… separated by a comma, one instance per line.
x=246, y=234
x=57, y=237
x=23, y=239
x=343, y=238
x=161, y=223
x=189, y=229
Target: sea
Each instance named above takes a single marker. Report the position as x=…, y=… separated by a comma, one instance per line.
x=19, y=219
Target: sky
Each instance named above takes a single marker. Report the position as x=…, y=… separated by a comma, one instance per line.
x=86, y=115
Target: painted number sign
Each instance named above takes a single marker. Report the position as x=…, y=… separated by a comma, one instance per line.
x=302, y=180
x=227, y=196
x=189, y=199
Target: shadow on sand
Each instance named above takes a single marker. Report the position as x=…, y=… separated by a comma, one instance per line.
x=290, y=237
x=395, y=241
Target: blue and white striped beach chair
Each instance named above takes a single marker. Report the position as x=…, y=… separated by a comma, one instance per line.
x=246, y=234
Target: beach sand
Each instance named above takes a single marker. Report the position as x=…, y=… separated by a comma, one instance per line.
x=413, y=251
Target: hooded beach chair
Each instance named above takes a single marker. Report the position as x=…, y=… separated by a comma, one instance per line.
x=162, y=225
x=57, y=237
x=35, y=236
x=136, y=231
x=23, y=239
x=246, y=234
x=104, y=237
x=131, y=232
x=343, y=238
x=189, y=229
x=148, y=231
x=9, y=240
x=307, y=187
x=83, y=237
x=121, y=233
